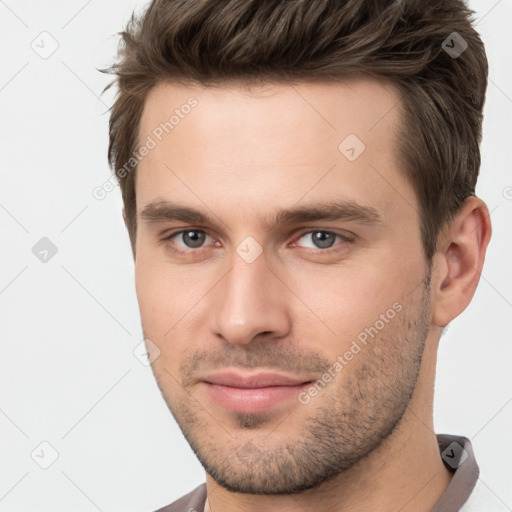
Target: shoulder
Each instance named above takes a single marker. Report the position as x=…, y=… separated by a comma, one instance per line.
x=192, y=502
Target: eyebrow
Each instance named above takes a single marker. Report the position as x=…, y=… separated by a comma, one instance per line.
x=161, y=211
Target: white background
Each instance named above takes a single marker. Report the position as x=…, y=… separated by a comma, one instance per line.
x=69, y=326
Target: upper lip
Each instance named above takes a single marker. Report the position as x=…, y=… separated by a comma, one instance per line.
x=260, y=379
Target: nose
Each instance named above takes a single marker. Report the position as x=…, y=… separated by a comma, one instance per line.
x=251, y=301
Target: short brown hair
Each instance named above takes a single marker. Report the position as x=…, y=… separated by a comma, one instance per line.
x=211, y=42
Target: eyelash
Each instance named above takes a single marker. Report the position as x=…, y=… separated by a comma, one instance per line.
x=328, y=250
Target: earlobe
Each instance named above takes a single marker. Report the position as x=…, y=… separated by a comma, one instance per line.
x=460, y=260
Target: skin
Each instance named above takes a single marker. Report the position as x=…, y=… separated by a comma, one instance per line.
x=366, y=440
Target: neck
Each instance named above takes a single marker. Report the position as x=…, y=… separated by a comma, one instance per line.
x=404, y=473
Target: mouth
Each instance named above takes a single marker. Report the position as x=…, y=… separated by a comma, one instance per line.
x=252, y=392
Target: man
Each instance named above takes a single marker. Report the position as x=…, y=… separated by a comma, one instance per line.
x=299, y=184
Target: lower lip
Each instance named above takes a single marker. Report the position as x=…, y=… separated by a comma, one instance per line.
x=252, y=400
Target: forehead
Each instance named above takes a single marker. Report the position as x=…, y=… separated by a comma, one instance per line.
x=272, y=143
x=357, y=105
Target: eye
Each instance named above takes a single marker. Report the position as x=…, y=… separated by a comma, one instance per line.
x=323, y=239
x=195, y=238
x=191, y=239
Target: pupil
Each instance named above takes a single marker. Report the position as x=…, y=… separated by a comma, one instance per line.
x=323, y=239
x=197, y=238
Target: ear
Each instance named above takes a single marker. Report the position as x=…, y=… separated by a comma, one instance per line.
x=459, y=260
x=124, y=218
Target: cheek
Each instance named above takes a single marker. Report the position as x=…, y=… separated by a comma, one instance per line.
x=155, y=297
x=340, y=303
x=159, y=314
x=169, y=302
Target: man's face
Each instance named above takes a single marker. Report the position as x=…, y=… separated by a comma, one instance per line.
x=289, y=345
